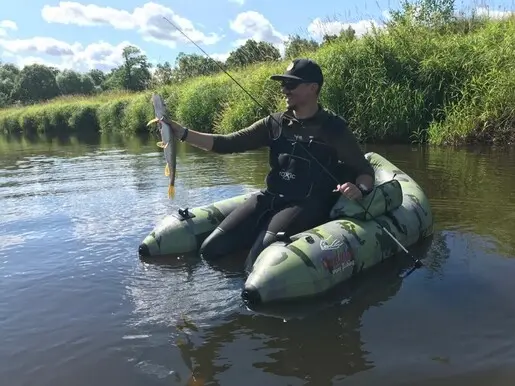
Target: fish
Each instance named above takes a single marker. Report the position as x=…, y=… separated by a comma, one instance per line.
x=168, y=142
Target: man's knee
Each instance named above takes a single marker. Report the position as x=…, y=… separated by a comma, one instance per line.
x=262, y=241
x=215, y=245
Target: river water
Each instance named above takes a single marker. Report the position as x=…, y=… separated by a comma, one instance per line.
x=77, y=307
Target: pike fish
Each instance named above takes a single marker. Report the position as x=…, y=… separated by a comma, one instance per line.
x=168, y=142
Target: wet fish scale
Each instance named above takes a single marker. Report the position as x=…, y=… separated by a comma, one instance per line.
x=168, y=142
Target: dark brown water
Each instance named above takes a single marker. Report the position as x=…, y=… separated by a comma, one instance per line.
x=77, y=307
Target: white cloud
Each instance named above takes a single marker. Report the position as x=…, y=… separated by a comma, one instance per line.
x=483, y=11
x=40, y=45
x=253, y=25
x=6, y=25
x=100, y=55
x=60, y=54
x=22, y=61
x=222, y=57
x=148, y=20
x=239, y=2
x=318, y=28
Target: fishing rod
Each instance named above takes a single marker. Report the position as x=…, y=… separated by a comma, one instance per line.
x=418, y=262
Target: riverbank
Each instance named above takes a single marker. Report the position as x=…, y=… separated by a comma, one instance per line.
x=403, y=83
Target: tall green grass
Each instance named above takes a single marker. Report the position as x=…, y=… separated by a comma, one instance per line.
x=453, y=84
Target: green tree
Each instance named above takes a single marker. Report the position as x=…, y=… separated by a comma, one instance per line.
x=35, y=83
x=114, y=79
x=347, y=34
x=326, y=39
x=134, y=74
x=97, y=76
x=295, y=46
x=87, y=84
x=54, y=70
x=5, y=100
x=9, y=70
x=191, y=65
x=253, y=52
x=163, y=74
x=8, y=74
x=431, y=13
x=71, y=82
x=135, y=71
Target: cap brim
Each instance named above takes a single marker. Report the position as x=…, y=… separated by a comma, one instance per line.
x=285, y=77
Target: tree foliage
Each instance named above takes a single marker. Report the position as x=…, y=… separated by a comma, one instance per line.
x=253, y=52
x=188, y=66
x=71, y=82
x=432, y=13
x=36, y=82
x=296, y=46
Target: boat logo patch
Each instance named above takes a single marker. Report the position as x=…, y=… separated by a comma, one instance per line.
x=336, y=255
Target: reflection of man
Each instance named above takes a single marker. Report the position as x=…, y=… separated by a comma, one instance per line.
x=306, y=142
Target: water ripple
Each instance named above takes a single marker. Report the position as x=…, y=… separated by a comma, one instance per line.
x=78, y=307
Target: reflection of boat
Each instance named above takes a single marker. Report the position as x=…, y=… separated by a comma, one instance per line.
x=318, y=259
x=290, y=341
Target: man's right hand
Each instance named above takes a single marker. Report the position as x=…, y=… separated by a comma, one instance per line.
x=178, y=129
x=200, y=140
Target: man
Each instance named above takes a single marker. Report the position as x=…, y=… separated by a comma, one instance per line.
x=305, y=144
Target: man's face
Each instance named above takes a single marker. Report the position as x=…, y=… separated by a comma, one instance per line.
x=297, y=93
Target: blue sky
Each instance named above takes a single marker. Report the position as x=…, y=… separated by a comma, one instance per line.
x=91, y=33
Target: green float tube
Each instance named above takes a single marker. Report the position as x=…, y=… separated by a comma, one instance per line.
x=314, y=261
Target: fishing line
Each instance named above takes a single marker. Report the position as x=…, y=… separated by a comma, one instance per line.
x=418, y=262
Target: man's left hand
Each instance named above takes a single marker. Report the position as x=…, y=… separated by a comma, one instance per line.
x=349, y=190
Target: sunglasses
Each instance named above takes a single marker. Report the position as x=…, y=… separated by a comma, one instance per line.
x=290, y=84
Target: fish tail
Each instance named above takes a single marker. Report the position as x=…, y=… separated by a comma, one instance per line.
x=171, y=191
x=162, y=145
x=193, y=381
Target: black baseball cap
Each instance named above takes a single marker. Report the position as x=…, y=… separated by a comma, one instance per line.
x=302, y=70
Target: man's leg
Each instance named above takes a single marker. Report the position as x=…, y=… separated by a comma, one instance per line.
x=238, y=230
x=291, y=220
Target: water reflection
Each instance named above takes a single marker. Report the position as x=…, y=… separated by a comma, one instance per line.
x=320, y=340
x=77, y=306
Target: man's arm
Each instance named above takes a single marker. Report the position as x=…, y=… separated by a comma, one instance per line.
x=249, y=138
x=349, y=151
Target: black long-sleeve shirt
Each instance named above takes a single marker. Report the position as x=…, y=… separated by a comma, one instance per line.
x=257, y=135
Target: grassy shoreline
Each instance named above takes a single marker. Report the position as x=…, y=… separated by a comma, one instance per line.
x=449, y=85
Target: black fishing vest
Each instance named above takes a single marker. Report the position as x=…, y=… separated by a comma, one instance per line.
x=295, y=170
